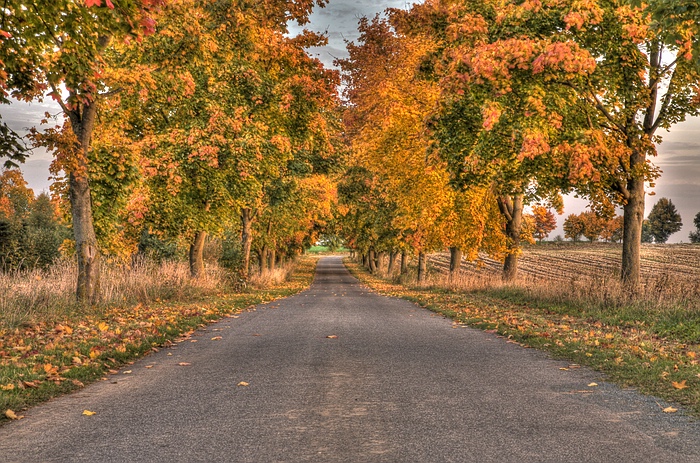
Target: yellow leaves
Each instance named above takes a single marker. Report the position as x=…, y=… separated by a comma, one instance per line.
x=670, y=410
x=102, y=326
x=679, y=384
x=184, y=364
x=592, y=384
x=89, y=413
x=216, y=338
x=332, y=336
x=7, y=387
x=11, y=415
x=243, y=384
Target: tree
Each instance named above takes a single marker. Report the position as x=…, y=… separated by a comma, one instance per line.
x=545, y=222
x=593, y=225
x=647, y=237
x=573, y=227
x=49, y=45
x=664, y=220
x=612, y=229
x=694, y=235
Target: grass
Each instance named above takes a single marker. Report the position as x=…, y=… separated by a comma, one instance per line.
x=649, y=343
x=47, y=350
x=326, y=250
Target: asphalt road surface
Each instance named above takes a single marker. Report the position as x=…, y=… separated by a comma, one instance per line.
x=338, y=373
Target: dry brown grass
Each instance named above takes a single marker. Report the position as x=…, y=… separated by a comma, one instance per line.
x=271, y=277
x=46, y=295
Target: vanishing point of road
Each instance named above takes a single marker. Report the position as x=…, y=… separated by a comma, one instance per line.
x=340, y=374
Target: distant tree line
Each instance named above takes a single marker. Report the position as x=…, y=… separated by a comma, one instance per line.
x=663, y=221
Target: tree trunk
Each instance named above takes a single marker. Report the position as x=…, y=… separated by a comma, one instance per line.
x=512, y=210
x=372, y=262
x=392, y=262
x=264, y=255
x=88, y=288
x=421, y=267
x=632, y=230
x=404, y=263
x=246, y=240
x=197, y=254
x=380, y=260
x=365, y=260
x=455, y=262
x=273, y=258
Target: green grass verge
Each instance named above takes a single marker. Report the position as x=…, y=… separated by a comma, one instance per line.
x=46, y=360
x=655, y=352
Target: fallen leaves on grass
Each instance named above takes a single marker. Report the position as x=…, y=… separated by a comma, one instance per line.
x=679, y=384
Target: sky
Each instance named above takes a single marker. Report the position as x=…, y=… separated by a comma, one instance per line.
x=679, y=154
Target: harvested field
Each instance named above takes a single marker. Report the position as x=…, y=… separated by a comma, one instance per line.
x=565, y=262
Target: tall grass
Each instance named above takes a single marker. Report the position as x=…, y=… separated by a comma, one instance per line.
x=47, y=295
x=271, y=277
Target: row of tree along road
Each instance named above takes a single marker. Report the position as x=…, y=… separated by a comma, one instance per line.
x=185, y=119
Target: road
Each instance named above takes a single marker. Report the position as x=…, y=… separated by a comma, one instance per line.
x=340, y=374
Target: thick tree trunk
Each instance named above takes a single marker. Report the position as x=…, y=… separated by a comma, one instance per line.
x=246, y=240
x=88, y=288
x=197, y=254
x=455, y=262
x=365, y=261
x=512, y=210
x=421, y=267
x=632, y=229
x=392, y=262
x=372, y=261
x=273, y=258
x=380, y=261
x=404, y=263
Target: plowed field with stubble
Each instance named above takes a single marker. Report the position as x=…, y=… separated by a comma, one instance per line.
x=575, y=261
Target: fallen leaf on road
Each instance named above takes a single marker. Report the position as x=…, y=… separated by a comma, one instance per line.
x=670, y=410
x=332, y=336
x=592, y=384
x=216, y=338
x=256, y=334
x=12, y=415
x=127, y=372
x=564, y=369
x=88, y=413
x=148, y=366
x=184, y=364
x=243, y=383
x=679, y=385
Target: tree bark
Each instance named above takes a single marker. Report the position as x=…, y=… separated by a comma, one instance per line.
x=273, y=258
x=380, y=261
x=87, y=252
x=246, y=239
x=512, y=210
x=421, y=267
x=404, y=263
x=372, y=261
x=197, y=254
x=392, y=262
x=633, y=212
x=365, y=260
x=455, y=262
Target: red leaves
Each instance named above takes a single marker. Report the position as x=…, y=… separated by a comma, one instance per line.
x=91, y=3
